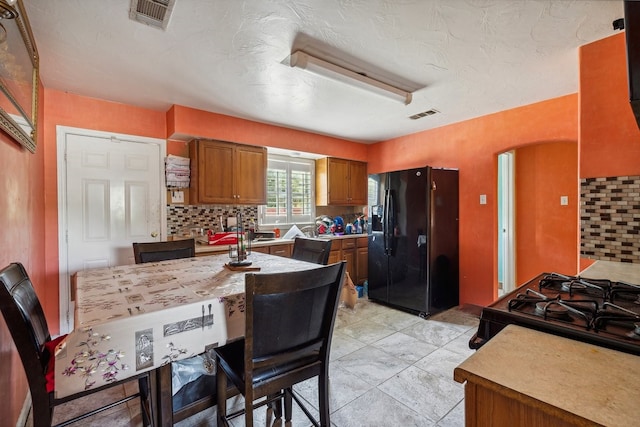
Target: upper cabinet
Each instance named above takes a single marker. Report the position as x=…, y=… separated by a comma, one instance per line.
x=227, y=173
x=341, y=182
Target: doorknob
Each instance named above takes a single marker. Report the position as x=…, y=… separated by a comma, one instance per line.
x=154, y=234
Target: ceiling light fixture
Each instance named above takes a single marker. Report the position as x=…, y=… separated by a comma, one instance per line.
x=304, y=61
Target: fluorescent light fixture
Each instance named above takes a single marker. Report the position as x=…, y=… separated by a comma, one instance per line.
x=323, y=68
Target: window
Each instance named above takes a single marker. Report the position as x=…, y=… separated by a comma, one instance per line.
x=290, y=191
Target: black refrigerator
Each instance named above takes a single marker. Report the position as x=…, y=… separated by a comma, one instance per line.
x=413, y=239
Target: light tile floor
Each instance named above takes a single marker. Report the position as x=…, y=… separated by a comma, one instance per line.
x=387, y=368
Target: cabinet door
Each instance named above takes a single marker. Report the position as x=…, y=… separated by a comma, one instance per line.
x=349, y=255
x=334, y=256
x=362, y=264
x=357, y=183
x=250, y=175
x=215, y=172
x=338, y=181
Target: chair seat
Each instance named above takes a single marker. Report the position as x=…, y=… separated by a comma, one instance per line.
x=232, y=357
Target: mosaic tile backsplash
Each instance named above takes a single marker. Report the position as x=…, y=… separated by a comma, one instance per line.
x=185, y=217
x=182, y=218
x=610, y=218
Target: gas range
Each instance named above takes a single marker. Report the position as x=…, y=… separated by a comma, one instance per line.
x=597, y=311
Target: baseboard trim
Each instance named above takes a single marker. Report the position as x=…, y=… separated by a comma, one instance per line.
x=24, y=413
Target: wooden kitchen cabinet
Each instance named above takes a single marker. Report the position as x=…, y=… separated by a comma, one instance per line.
x=362, y=260
x=341, y=182
x=336, y=249
x=227, y=173
x=354, y=251
x=261, y=249
x=551, y=381
x=348, y=254
x=281, y=250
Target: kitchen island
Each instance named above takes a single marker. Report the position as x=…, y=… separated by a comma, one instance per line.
x=523, y=377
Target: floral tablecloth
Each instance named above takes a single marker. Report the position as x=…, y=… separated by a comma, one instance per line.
x=133, y=318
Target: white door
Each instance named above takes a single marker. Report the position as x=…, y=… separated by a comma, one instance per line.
x=112, y=197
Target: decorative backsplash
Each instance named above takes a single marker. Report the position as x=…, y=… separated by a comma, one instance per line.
x=184, y=217
x=610, y=218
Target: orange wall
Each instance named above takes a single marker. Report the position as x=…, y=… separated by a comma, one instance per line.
x=183, y=121
x=609, y=134
x=546, y=232
x=472, y=146
x=64, y=109
x=22, y=225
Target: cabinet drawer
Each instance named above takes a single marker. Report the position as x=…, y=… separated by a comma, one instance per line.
x=348, y=243
x=280, y=250
x=261, y=249
x=362, y=242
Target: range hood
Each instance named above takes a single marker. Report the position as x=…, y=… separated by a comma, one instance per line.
x=632, y=33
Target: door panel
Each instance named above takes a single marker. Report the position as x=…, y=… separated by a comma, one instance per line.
x=95, y=212
x=137, y=210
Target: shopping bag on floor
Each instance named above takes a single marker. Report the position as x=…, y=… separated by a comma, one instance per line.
x=349, y=295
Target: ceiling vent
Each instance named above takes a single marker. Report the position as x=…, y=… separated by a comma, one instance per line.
x=430, y=112
x=155, y=13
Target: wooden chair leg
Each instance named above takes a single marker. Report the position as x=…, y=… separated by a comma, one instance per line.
x=323, y=399
x=221, y=386
x=288, y=406
x=248, y=408
x=274, y=408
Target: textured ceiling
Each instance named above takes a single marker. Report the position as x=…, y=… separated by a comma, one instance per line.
x=466, y=58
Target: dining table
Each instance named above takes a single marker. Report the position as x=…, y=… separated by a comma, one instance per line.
x=129, y=319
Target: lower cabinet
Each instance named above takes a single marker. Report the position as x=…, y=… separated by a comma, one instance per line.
x=281, y=250
x=349, y=255
x=362, y=259
x=354, y=251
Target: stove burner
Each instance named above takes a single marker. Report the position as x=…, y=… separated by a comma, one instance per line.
x=575, y=284
x=612, y=314
x=623, y=291
x=552, y=309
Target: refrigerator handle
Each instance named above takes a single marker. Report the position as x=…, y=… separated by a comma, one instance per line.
x=389, y=222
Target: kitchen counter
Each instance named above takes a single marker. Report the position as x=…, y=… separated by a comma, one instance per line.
x=616, y=271
x=525, y=377
x=211, y=249
x=201, y=248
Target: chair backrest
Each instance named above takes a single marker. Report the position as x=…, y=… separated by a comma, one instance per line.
x=289, y=315
x=162, y=251
x=27, y=324
x=312, y=250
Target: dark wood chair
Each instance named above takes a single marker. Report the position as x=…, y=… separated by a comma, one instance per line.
x=289, y=324
x=312, y=250
x=162, y=251
x=27, y=324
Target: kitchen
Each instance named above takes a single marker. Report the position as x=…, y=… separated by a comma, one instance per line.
x=593, y=124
